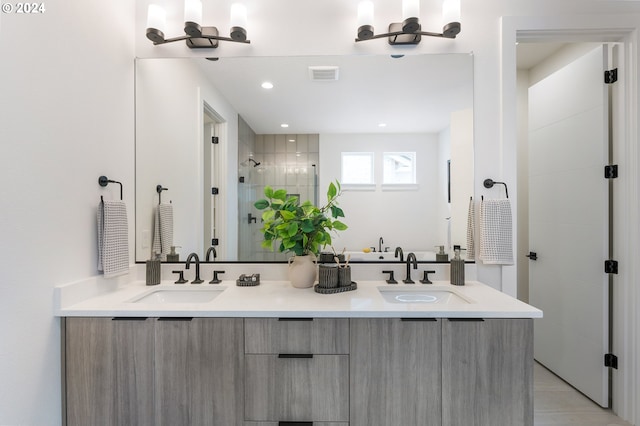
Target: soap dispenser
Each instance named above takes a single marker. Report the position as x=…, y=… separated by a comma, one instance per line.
x=441, y=256
x=457, y=267
x=153, y=271
x=173, y=256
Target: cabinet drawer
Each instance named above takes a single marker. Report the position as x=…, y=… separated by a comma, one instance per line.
x=314, y=388
x=297, y=335
x=303, y=423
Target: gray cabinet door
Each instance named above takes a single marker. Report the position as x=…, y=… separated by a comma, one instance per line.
x=298, y=336
x=395, y=372
x=109, y=371
x=487, y=372
x=199, y=371
x=297, y=389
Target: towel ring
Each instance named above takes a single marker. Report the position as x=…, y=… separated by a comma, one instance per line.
x=104, y=181
x=488, y=183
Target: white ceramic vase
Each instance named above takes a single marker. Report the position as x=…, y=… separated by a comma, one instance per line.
x=303, y=271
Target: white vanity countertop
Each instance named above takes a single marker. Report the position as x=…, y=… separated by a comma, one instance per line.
x=280, y=299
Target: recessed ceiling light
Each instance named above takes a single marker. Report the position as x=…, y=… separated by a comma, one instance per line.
x=267, y=85
x=284, y=125
x=382, y=125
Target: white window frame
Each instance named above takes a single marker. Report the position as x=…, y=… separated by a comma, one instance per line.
x=367, y=184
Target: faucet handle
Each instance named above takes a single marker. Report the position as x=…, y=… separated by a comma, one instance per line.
x=215, y=279
x=391, y=279
x=181, y=279
x=425, y=279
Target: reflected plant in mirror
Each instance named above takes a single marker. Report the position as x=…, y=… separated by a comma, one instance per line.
x=301, y=228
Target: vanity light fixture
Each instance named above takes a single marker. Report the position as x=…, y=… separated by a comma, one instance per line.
x=196, y=36
x=409, y=31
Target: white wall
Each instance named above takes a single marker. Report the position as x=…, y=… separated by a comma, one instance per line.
x=66, y=117
x=169, y=152
x=374, y=213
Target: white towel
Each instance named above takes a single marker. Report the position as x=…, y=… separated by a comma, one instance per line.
x=113, y=238
x=496, y=242
x=471, y=231
x=163, y=230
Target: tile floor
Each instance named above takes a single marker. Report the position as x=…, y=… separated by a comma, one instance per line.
x=558, y=404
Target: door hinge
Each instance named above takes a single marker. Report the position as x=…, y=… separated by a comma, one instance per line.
x=611, y=76
x=610, y=360
x=215, y=190
x=610, y=266
x=214, y=241
x=611, y=172
x=215, y=140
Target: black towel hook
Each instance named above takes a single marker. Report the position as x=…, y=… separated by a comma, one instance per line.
x=104, y=181
x=159, y=190
x=488, y=183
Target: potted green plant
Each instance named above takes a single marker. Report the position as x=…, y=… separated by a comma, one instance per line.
x=300, y=228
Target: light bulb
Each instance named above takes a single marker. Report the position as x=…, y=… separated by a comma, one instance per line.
x=156, y=17
x=450, y=11
x=239, y=15
x=365, y=13
x=238, y=22
x=193, y=11
x=410, y=9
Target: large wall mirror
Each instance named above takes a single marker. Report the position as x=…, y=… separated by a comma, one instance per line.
x=208, y=132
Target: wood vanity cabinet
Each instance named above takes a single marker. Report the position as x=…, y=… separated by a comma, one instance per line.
x=199, y=371
x=172, y=371
x=487, y=372
x=395, y=372
x=109, y=371
x=296, y=370
x=449, y=372
x=320, y=372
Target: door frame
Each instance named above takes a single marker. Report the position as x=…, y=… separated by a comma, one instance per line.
x=588, y=28
x=221, y=167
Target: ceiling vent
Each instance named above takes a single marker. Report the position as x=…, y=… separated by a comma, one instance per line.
x=324, y=73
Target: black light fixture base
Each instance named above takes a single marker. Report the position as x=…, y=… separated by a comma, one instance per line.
x=403, y=38
x=365, y=32
x=192, y=29
x=203, y=41
x=238, y=33
x=451, y=30
x=410, y=25
x=156, y=36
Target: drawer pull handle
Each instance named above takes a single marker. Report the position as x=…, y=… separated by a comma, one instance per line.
x=295, y=423
x=418, y=319
x=129, y=319
x=289, y=356
x=175, y=319
x=466, y=320
x=295, y=319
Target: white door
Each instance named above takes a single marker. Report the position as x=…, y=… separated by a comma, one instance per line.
x=569, y=222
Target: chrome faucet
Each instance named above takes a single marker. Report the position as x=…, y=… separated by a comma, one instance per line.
x=380, y=241
x=399, y=251
x=210, y=250
x=197, y=261
x=411, y=258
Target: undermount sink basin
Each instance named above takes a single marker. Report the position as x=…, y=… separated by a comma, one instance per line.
x=178, y=295
x=419, y=294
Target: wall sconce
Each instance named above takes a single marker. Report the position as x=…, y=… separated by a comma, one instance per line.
x=409, y=31
x=196, y=36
